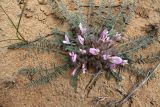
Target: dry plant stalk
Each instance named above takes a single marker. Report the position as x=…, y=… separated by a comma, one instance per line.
x=135, y=88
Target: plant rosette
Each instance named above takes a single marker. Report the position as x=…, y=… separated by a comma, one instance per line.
x=89, y=50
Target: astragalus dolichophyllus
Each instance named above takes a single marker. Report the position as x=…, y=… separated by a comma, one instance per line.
x=96, y=51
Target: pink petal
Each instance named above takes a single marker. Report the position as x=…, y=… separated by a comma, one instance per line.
x=74, y=72
x=105, y=57
x=81, y=39
x=116, y=60
x=73, y=57
x=104, y=36
x=104, y=33
x=66, y=41
x=94, y=51
x=124, y=62
x=84, y=68
x=117, y=37
x=66, y=37
x=82, y=29
x=83, y=51
x=71, y=53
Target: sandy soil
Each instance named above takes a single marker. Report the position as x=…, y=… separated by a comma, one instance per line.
x=38, y=21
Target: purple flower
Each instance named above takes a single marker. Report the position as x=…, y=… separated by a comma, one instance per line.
x=104, y=33
x=105, y=57
x=82, y=29
x=84, y=68
x=94, y=51
x=116, y=60
x=124, y=62
x=73, y=57
x=117, y=37
x=104, y=36
x=66, y=41
x=83, y=51
x=81, y=39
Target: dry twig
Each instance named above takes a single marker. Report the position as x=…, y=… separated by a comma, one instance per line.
x=139, y=85
x=19, y=35
x=134, y=89
x=92, y=82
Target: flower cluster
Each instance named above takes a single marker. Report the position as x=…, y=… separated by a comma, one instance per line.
x=93, y=50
